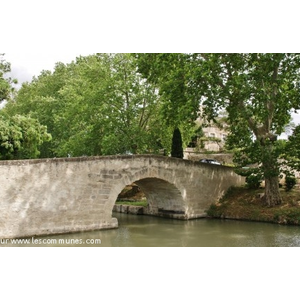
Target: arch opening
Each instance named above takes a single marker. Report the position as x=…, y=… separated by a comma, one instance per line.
x=157, y=197
x=132, y=195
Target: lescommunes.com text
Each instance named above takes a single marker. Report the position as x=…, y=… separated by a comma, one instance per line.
x=50, y=241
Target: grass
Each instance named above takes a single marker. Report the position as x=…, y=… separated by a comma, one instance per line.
x=245, y=204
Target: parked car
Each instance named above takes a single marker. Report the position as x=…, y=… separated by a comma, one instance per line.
x=210, y=161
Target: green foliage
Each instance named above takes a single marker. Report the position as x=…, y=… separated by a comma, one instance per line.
x=287, y=216
x=21, y=137
x=171, y=73
x=258, y=91
x=10, y=138
x=254, y=176
x=177, y=150
x=242, y=204
x=97, y=105
x=196, y=134
x=6, y=88
x=290, y=182
x=265, y=158
x=214, y=211
x=292, y=150
x=253, y=181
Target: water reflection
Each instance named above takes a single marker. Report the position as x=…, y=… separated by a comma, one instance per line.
x=148, y=231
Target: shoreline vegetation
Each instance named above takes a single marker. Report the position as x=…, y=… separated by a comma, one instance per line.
x=242, y=203
x=239, y=203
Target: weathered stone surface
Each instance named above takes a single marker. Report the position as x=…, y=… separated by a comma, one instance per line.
x=47, y=196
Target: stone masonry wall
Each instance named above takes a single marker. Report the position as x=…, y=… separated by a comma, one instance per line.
x=50, y=196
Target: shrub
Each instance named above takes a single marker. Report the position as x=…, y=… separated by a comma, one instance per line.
x=214, y=211
x=253, y=181
x=290, y=182
x=177, y=150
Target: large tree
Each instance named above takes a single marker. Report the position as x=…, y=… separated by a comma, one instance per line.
x=20, y=136
x=111, y=109
x=259, y=92
x=171, y=74
x=41, y=100
x=96, y=105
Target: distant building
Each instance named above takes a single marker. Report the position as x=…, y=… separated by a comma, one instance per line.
x=210, y=137
x=213, y=140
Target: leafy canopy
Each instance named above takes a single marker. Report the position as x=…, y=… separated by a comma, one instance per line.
x=97, y=105
x=20, y=137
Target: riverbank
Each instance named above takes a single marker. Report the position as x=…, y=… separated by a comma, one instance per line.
x=241, y=203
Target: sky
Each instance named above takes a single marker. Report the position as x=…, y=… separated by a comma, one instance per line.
x=26, y=65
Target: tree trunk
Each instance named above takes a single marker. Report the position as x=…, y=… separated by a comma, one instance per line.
x=272, y=193
x=270, y=170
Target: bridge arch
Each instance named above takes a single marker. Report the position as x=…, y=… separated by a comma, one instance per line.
x=163, y=197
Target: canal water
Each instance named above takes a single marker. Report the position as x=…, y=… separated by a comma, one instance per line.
x=149, y=231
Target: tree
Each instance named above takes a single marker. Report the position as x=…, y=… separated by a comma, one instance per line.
x=21, y=137
x=177, y=150
x=98, y=104
x=171, y=74
x=117, y=107
x=41, y=100
x=5, y=82
x=258, y=91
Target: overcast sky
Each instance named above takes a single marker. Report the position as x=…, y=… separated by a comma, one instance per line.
x=26, y=65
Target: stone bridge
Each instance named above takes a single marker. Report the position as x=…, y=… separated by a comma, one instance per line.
x=51, y=196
